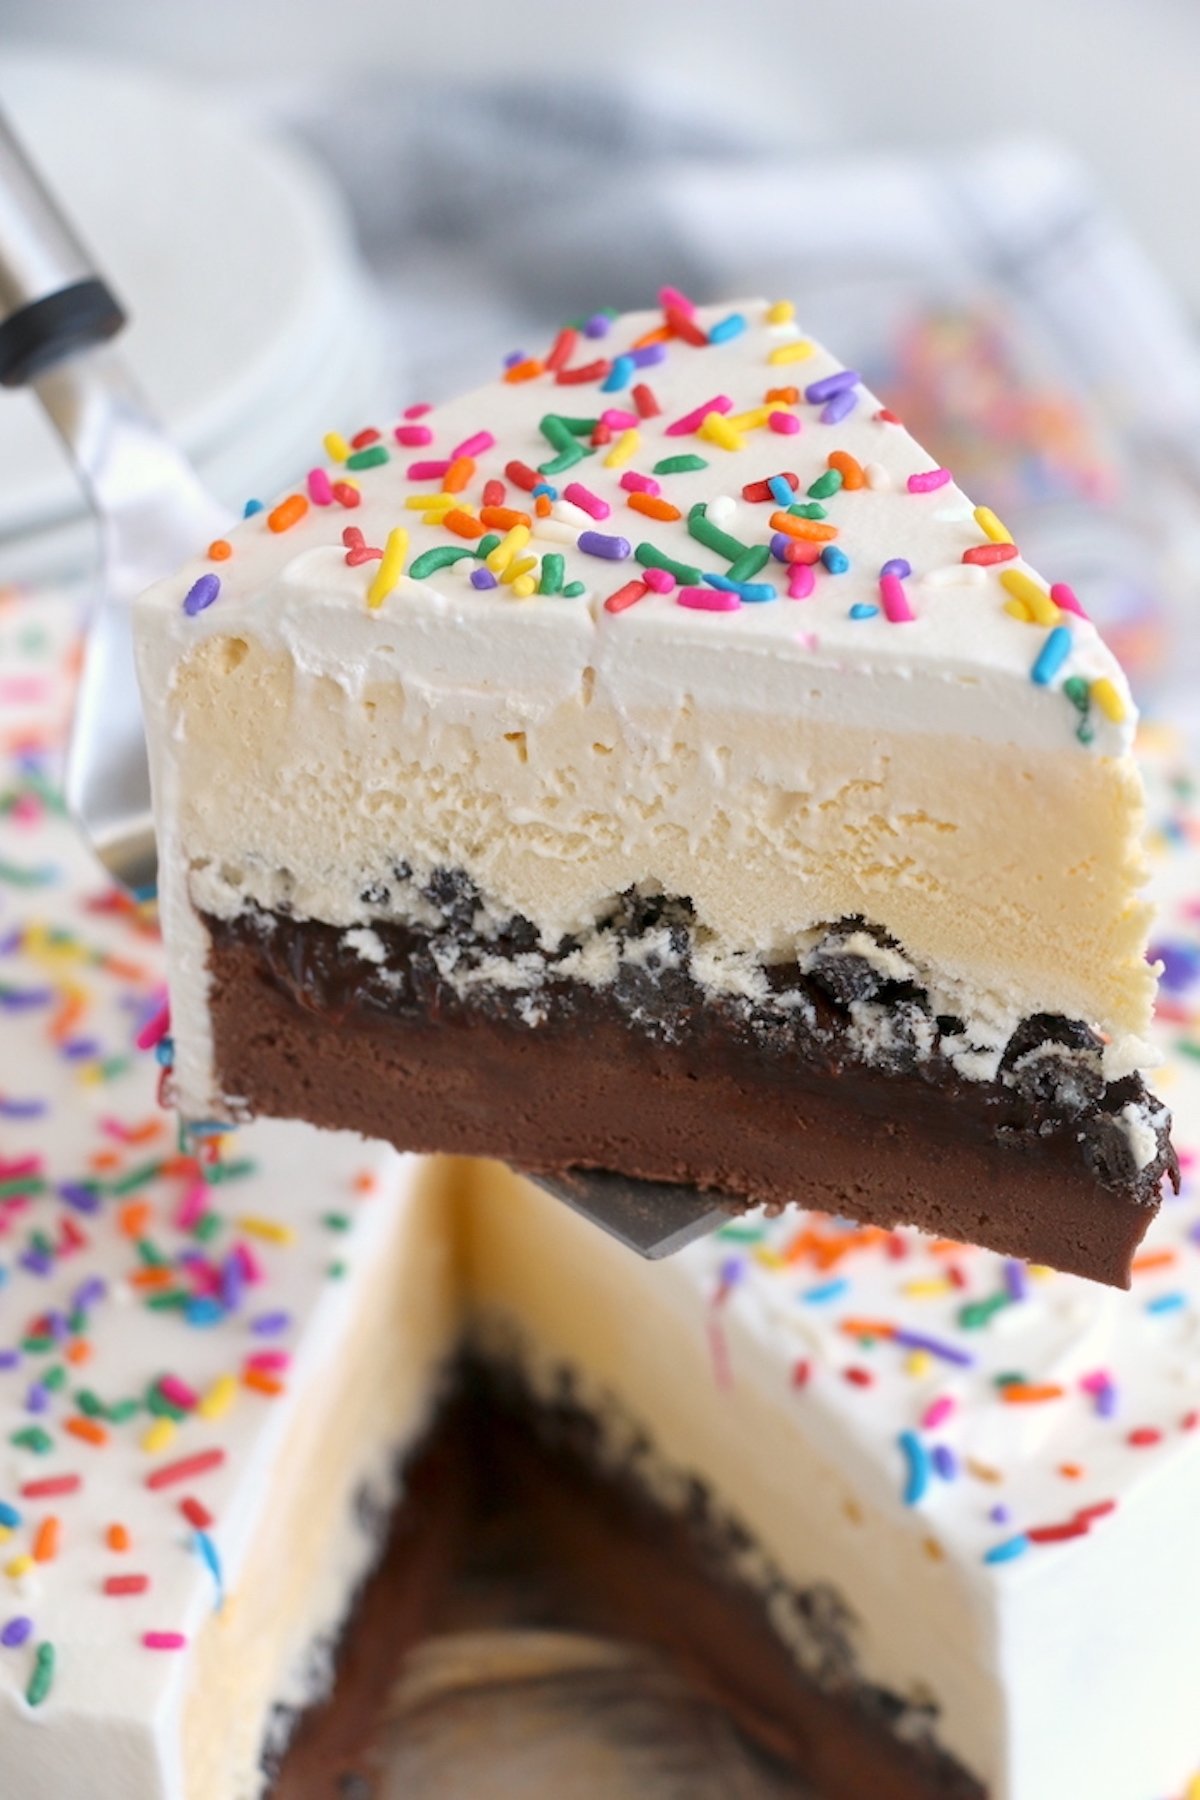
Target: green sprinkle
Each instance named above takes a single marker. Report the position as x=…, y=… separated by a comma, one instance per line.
x=37, y=1346
x=42, y=1679
x=825, y=484
x=174, y=1300
x=207, y=1227
x=573, y=590
x=809, y=509
x=231, y=1171
x=978, y=1313
x=553, y=570
x=16, y=1187
x=33, y=1438
x=684, y=573
x=679, y=465
x=150, y=1256
x=89, y=1404
x=370, y=458
x=1079, y=694
x=578, y=427
x=1186, y=1047
x=487, y=544
x=113, y=1067
x=333, y=1221
x=747, y=567
x=1010, y=1378
x=134, y=1178
x=556, y=431
x=54, y=1378
x=566, y=459
x=121, y=1411
x=430, y=561
x=336, y=1271
x=159, y=1407
x=741, y=1234
x=39, y=1241
x=701, y=527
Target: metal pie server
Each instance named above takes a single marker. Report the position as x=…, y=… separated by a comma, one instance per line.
x=57, y=320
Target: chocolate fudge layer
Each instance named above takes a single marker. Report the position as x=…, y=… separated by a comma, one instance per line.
x=834, y=1087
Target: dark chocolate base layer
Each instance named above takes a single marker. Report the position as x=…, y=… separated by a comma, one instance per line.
x=508, y=1517
x=304, y=1027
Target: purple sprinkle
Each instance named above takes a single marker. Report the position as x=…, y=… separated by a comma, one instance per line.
x=202, y=593
x=817, y=392
x=34, y=1262
x=598, y=543
x=839, y=408
x=58, y=1325
x=514, y=357
x=16, y=1632
x=944, y=1461
x=598, y=326
x=271, y=1324
x=896, y=565
x=89, y=1294
x=79, y=1049
x=732, y=1270
x=483, y=578
x=37, y=1399
x=917, y=1340
x=779, y=546
x=1181, y=965
x=22, y=999
x=1000, y=1514
x=648, y=355
x=1016, y=1279
x=79, y=1195
x=22, y=1109
x=10, y=1359
x=233, y=1283
x=1106, y=1401
x=11, y=942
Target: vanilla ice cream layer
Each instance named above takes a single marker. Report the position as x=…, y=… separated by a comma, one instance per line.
x=386, y=673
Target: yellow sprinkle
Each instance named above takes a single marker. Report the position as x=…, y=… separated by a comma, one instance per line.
x=1040, y=1271
x=336, y=446
x=1017, y=609
x=751, y=421
x=926, y=1289
x=1024, y=588
x=219, y=1398
x=390, y=569
x=438, y=502
x=523, y=586
x=160, y=1436
x=518, y=568
x=781, y=312
x=798, y=351
x=624, y=448
x=1193, y=1789
x=6, y=1531
x=768, y=1258
x=20, y=1565
x=918, y=1362
x=1108, y=699
x=719, y=431
x=512, y=541
x=266, y=1228
x=991, y=527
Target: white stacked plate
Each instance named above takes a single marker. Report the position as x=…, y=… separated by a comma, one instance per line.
x=253, y=329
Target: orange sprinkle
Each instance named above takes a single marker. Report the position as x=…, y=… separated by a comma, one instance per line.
x=67, y=1017
x=289, y=512
x=47, y=1541
x=1026, y=1393
x=811, y=529
x=860, y=1328
x=180, y=1165
x=220, y=550
x=463, y=524
x=134, y=1218
x=78, y=1352
x=658, y=334
x=364, y=1182
x=541, y=506
x=117, y=1538
x=653, y=507
x=458, y=475
x=151, y=1278
x=849, y=468
x=89, y=1431
x=141, y=1134
x=1072, y=1471
x=524, y=371
x=123, y=969
x=263, y=1382
x=786, y=396
x=503, y=518
x=1154, y=1259
x=104, y=1160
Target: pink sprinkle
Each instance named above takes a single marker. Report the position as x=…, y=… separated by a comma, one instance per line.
x=413, y=436
x=1064, y=597
x=671, y=297
x=473, y=446
x=164, y=1640
x=633, y=483
x=785, y=423
x=1097, y=1381
x=427, y=471
x=895, y=600
x=801, y=581
x=937, y=1412
x=156, y=1030
x=660, y=581
x=418, y=411
x=722, y=1371
x=192, y=1207
x=619, y=421
x=694, y=420
x=319, y=490
x=16, y=1168
x=178, y=1393
x=928, y=480
x=702, y=599
x=249, y=1264
x=269, y=1359
x=584, y=497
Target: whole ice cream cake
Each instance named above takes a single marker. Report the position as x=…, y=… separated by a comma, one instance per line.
x=653, y=762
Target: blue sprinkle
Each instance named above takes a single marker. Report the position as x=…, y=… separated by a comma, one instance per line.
x=817, y=392
x=1052, y=655
x=251, y=507
x=619, y=376
x=10, y=1518
x=749, y=590
x=724, y=329
x=599, y=543
x=897, y=565
x=201, y=594
x=483, y=578
x=1167, y=1303
x=781, y=490
x=544, y=487
x=204, y=1311
x=917, y=1482
x=211, y=1558
x=839, y=407
x=835, y=560
x=648, y=354
x=828, y=1290
x=945, y=1462
x=1005, y=1552
x=164, y=1052
x=861, y=610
